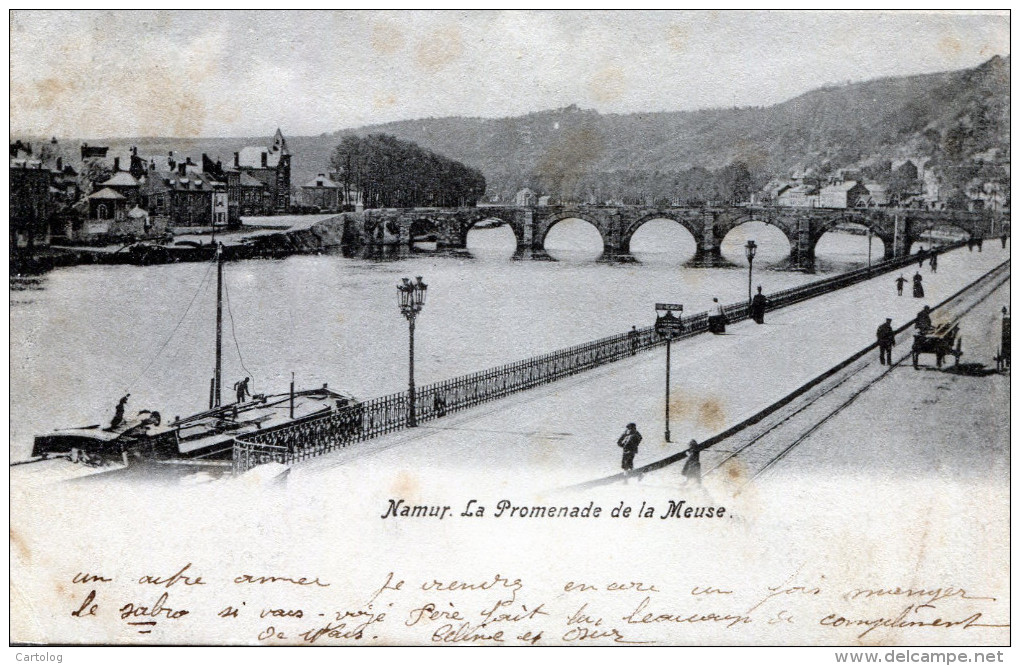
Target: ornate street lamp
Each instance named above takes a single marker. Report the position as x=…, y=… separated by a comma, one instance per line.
x=750, y=249
x=411, y=298
x=668, y=325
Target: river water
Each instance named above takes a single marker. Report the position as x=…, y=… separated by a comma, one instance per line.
x=83, y=336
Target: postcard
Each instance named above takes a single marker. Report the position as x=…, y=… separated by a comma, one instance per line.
x=520, y=328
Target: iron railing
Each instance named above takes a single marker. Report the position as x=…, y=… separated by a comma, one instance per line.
x=332, y=430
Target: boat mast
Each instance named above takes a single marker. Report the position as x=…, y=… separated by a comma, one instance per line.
x=219, y=326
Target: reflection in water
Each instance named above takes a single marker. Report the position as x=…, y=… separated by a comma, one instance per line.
x=773, y=246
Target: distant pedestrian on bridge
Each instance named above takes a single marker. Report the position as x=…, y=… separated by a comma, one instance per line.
x=900, y=281
x=629, y=441
x=886, y=341
x=918, y=287
x=692, y=468
x=758, y=304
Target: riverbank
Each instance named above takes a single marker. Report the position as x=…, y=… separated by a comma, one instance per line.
x=256, y=238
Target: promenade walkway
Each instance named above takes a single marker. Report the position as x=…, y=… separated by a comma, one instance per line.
x=565, y=433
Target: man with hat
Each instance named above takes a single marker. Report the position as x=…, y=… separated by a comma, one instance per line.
x=886, y=341
x=629, y=441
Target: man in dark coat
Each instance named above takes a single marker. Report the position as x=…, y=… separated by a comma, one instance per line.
x=692, y=468
x=923, y=321
x=900, y=281
x=886, y=341
x=629, y=441
x=758, y=304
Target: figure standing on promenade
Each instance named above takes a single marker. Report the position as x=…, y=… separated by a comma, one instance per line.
x=633, y=335
x=758, y=304
x=918, y=287
x=717, y=320
x=900, y=281
x=923, y=321
x=118, y=412
x=920, y=258
x=934, y=263
x=886, y=341
x=629, y=441
x=692, y=468
x=1003, y=239
x=979, y=242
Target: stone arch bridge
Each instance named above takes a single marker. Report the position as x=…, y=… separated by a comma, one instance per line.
x=803, y=227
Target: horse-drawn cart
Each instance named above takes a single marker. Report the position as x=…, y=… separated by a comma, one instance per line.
x=941, y=341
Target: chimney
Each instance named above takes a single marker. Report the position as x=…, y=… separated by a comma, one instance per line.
x=182, y=168
x=116, y=164
x=264, y=164
x=60, y=164
x=237, y=159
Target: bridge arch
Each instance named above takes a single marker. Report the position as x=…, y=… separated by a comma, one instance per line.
x=469, y=223
x=921, y=234
x=727, y=225
x=696, y=230
x=551, y=221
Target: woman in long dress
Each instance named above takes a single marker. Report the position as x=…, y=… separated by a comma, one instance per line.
x=918, y=287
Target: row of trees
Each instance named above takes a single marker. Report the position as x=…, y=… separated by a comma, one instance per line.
x=390, y=173
x=695, y=186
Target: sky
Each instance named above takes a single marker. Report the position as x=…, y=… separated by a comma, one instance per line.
x=196, y=73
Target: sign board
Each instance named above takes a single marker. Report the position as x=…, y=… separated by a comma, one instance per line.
x=670, y=307
x=669, y=325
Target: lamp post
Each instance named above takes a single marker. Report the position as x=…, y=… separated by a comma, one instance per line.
x=869, y=248
x=411, y=298
x=750, y=249
x=668, y=325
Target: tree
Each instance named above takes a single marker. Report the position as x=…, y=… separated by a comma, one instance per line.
x=392, y=173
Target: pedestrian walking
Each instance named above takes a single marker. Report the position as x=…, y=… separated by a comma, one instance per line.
x=923, y=320
x=629, y=441
x=920, y=258
x=758, y=304
x=1003, y=239
x=979, y=242
x=692, y=468
x=886, y=341
x=918, y=287
x=118, y=412
x=934, y=263
x=717, y=320
x=633, y=335
x=900, y=281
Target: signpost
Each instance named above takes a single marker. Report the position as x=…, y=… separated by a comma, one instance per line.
x=668, y=326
